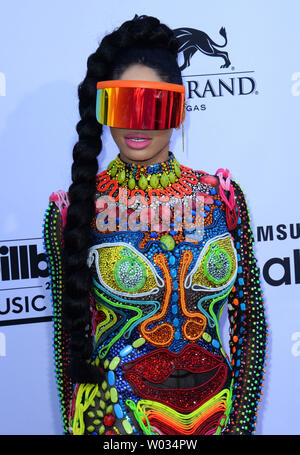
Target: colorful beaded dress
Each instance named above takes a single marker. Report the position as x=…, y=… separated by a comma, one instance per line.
x=159, y=287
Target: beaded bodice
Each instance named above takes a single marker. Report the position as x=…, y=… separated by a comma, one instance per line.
x=160, y=283
x=167, y=251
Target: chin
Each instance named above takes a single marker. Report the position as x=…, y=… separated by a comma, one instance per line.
x=138, y=155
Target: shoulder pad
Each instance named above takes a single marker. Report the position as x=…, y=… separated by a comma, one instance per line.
x=232, y=210
x=61, y=200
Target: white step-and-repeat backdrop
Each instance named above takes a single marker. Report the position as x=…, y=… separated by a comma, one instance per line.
x=243, y=114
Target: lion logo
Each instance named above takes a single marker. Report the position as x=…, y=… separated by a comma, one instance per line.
x=192, y=40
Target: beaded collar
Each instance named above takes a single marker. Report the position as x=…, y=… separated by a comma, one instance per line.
x=135, y=176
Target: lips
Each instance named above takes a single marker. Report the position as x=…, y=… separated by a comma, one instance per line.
x=183, y=381
x=137, y=140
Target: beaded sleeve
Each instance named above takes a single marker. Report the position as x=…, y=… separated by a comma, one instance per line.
x=248, y=329
x=53, y=243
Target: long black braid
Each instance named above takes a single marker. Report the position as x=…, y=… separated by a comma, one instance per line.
x=141, y=40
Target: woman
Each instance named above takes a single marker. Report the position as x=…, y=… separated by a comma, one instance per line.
x=143, y=257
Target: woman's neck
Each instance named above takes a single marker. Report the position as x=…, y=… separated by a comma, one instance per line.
x=160, y=157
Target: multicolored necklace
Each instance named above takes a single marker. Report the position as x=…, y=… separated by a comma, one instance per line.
x=154, y=176
x=124, y=182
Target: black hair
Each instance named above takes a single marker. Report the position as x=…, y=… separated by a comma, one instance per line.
x=159, y=59
x=145, y=40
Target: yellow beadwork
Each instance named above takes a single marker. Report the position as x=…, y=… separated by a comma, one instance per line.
x=201, y=277
x=110, y=260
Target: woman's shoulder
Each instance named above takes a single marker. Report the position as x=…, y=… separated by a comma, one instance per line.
x=55, y=221
x=221, y=180
x=59, y=201
x=222, y=184
x=60, y=197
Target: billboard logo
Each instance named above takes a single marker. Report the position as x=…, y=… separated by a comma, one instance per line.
x=23, y=304
x=25, y=286
x=22, y=262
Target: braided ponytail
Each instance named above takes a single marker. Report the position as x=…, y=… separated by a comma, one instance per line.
x=141, y=40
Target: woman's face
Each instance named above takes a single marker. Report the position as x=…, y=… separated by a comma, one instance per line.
x=142, y=146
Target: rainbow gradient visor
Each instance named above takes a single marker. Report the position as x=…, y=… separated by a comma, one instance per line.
x=139, y=105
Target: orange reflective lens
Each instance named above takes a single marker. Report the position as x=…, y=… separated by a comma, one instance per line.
x=139, y=105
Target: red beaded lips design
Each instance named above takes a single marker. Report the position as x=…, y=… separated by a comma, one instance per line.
x=162, y=375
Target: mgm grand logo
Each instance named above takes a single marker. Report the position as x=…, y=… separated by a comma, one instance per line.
x=224, y=81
